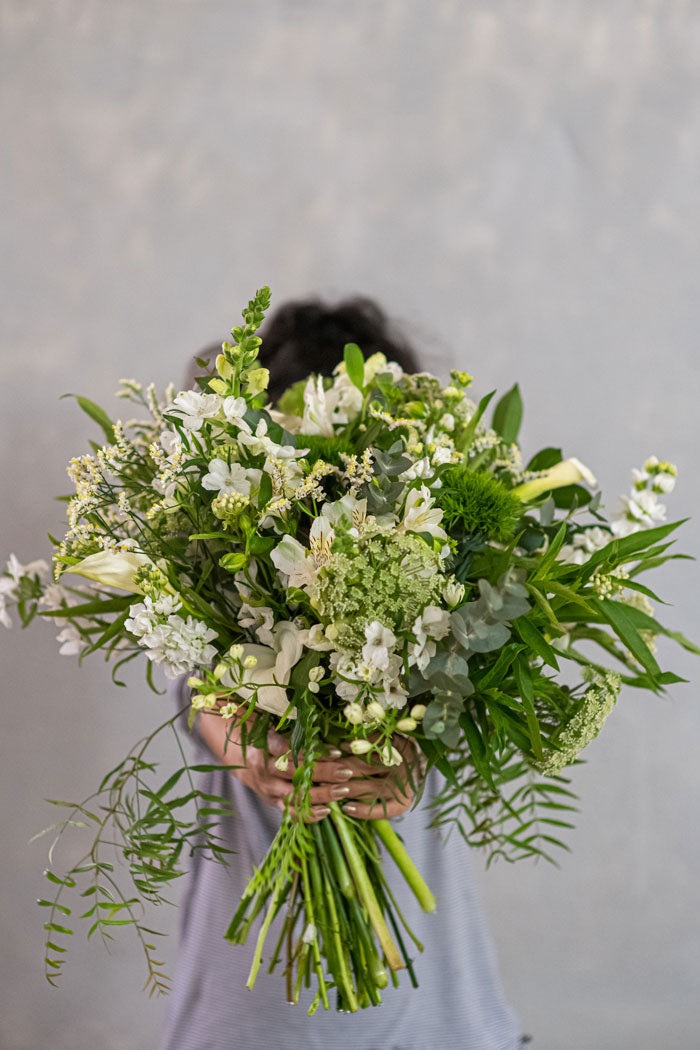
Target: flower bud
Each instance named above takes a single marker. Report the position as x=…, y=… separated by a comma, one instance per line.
x=453, y=592
x=235, y=651
x=250, y=661
x=390, y=756
x=417, y=711
x=375, y=712
x=194, y=682
x=353, y=713
x=406, y=725
x=360, y=747
x=282, y=762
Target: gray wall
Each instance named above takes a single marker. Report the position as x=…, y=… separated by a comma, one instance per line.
x=517, y=182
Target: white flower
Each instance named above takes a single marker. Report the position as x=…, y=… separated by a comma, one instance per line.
x=447, y=422
x=260, y=618
x=70, y=639
x=272, y=669
x=419, y=514
x=195, y=408
x=663, y=483
x=321, y=536
x=644, y=507
x=421, y=468
x=170, y=441
x=234, y=410
x=17, y=570
x=226, y=479
x=4, y=614
x=295, y=562
x=353, y=713
x=379, y=640
x=453, y=592
x=112, y=568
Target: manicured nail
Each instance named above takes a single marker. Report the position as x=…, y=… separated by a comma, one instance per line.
x=340, y=791
x=334, y=752
x=350, y=807
x=320, y=811
x=343, y=772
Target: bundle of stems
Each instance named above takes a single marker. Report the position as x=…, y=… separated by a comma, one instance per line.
x=341, y=925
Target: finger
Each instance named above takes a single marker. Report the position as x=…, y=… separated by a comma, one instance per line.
x=366, y=790
x=339, y=771
x=380, y=810
x=313, y=816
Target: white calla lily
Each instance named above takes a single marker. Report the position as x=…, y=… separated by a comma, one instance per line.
x=568, y=472
x=113, y=569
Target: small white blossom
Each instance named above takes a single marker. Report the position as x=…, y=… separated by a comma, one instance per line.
x=379, y=640
x=226, y=479
x=194, y=408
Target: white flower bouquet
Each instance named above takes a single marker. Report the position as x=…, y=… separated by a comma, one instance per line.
x=366, y=565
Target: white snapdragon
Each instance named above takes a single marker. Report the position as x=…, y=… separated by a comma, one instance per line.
x=260, y=618
x=71, y=642
x=378, y=641
x=194, y=408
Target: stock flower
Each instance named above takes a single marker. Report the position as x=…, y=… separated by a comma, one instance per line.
x=225, y=478
x=379, y=640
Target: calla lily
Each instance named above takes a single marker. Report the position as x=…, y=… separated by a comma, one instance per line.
x=272, y=670
x=568, y=472
x=113, y=569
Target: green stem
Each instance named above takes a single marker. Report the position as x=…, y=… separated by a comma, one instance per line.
x=395, y=847
x=271, y=912
x=364, y=887
x=343, y=975
x=310, y=918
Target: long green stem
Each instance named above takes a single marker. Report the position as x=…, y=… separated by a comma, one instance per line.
x=271, y=911
x=395, y=847
x=310, y=918
x=364, y=887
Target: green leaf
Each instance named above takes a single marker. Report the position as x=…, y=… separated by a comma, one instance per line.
x=552, y=551
x=624, y=549
x=469, y=431
x=508, y=415
x=533, y=638
x=55, y=928
x=96, y=413
x=477, y=747
x=95, y=608
x=545, y=458
x=527, y=695
x=617, y=615
x=354, y=364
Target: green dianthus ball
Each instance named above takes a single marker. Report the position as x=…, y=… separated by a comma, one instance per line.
x=476, y=502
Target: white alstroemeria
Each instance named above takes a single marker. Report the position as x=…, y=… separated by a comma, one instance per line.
x=321, y=536
x=421, y=469
x=71, y=642
x=453, y=592
x=295, y=562
x=260, y=618
x=379, y=640
x=420, y=515
x=194, y=408
x=317, y=417
x=234, y=409
x=16, y=570
x=351, y=509
x=4, y=614
x=272, y=669
x=225, y=478
x=113, y=569
x=644, y=507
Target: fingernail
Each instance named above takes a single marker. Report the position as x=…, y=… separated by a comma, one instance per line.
x=320, y=811
x=343, y=772
x=340, y=791
x=334, y=752
x=350, y=807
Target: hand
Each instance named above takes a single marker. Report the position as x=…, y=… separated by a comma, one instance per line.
x=368, y=789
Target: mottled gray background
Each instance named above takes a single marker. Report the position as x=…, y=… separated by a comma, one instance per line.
x=518, y=182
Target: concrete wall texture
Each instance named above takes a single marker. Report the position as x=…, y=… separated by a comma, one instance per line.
x=518, y=182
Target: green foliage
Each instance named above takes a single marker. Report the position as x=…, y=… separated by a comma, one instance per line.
x=326, y=448
x=508, y=414
x=475, y=502
x=354, y=365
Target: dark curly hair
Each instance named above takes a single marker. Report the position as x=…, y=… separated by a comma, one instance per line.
x=308, y=335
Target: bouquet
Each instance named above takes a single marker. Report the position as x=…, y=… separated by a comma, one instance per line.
x=366, y=565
